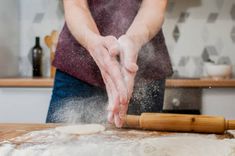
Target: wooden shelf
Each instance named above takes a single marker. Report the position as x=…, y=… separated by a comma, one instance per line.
x=200, y=83
x=170, y=83
x=26, y=82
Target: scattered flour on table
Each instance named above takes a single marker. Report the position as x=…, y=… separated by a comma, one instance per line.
x=54, y=143
x=81, y=129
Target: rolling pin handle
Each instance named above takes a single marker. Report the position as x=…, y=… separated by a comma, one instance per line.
x=230, y=125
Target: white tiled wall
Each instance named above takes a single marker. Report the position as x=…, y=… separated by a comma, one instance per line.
x=196, y=32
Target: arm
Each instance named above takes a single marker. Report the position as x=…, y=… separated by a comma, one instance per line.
x=80, y=22
x=84, y=29
x=145, y=26
x=147, y=22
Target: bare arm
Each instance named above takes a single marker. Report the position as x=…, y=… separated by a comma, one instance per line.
x=145, y=26
x=83, y=27
x=147, y=22
x=80, y=22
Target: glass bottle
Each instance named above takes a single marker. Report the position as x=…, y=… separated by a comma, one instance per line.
x=37, y=54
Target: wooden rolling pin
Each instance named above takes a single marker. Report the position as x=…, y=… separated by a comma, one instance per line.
x=179, y=123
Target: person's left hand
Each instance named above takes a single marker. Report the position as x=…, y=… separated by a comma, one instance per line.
x=128, y=58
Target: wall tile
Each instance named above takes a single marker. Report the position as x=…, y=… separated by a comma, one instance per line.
x=38, y=17
x=170, y=6
x=205, y=34
x=219, y=4
x=212, y=17
x=233, y=12
x=176, y=33
x=183, y=17
x=233, y=34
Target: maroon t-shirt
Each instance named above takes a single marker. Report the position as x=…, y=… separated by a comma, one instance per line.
x=113, y=17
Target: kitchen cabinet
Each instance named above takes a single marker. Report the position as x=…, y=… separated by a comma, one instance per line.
x=219, y=101
x=24, y=105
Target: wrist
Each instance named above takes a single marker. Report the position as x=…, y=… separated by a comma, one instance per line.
x=139, y=37
x=91, y=41
x=136, y=41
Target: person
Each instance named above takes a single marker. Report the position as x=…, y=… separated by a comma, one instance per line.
x=113, y=48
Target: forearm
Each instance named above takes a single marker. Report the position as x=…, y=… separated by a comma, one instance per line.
x=147, y=22
x=80, y=22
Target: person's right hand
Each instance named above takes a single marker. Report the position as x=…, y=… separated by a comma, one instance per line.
x=104, y=51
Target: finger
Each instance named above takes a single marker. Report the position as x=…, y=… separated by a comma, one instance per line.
x=123, y=111
x=113, y=50
x=112, y=68
x=114, y=105
x=111, y=43
x=110, y=100
x=129, y=80
x=117, y=120
x=110, y=117
x=131, y=67
x=119, y=82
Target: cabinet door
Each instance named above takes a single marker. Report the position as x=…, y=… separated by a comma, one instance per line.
x=24, y=105
x=219, y=101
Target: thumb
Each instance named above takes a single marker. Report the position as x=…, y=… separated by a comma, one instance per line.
x=130, y=66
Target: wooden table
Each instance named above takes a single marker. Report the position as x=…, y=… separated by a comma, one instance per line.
x=9, y=131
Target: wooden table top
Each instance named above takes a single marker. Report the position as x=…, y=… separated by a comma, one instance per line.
x=11, y=130
x=8, y=131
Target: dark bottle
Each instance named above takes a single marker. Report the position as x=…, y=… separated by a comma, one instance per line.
x=37, y=54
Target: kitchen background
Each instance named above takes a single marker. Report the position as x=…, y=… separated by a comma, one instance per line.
x=195, y=30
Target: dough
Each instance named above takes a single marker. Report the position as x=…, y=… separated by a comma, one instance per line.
x=81, y=129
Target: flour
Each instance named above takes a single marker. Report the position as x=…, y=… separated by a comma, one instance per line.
x=116, y=143
x=184, y=146
x=82, y=110
x=81, y=129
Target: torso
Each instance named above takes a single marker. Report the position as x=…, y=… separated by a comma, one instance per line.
x=113, y=17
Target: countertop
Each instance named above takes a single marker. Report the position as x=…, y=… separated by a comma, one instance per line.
x=26, y=139
x=170, y=83
x=12, y=130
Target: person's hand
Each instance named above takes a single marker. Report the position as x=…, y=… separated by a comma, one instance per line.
x=128, y=58
x=104, y=51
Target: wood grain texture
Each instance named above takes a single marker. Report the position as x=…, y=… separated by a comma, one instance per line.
x=170, y=83
x=200, y=83
x=8, y=131
x=26, y=82
x=180, y=123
